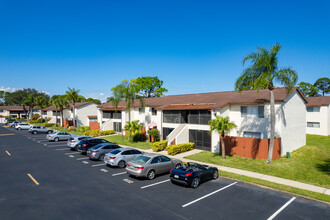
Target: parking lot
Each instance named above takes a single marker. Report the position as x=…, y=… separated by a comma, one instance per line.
x=46, y=180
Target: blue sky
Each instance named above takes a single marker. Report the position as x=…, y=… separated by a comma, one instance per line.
x=193, y=46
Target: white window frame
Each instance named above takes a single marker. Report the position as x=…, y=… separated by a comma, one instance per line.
x=252, y=133
x=313, y=124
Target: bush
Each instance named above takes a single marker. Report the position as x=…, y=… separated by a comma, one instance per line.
x=71, y=128
x=41, y=120
x=154, y=133
x=33, y=121
x=49, y=124
x=107, y=132
x=83, y=128
x=159, y=146
x=95, y=133
x=180, y=148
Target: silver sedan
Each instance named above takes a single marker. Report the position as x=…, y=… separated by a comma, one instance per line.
x=150, y=165
x=121, y=156
x=58, y=136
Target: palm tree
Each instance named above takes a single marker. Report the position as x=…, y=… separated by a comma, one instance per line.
x=135, y=130
x=264, y=67
x=54, y=102
x=73, y=96
x=126, y=91
x=41, y=102
x=222, y=125
x=62, y=103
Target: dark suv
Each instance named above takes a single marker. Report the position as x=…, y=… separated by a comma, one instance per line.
x=85, y=144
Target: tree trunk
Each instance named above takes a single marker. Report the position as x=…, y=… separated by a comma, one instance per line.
x=62, y=118
x=223, y=148
x=56, y=119
x=74, y=117
x=272, y=126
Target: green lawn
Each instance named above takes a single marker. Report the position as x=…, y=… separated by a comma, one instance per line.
x=309, y=164
x=119, y=139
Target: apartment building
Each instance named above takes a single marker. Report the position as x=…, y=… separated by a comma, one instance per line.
x=318, y=115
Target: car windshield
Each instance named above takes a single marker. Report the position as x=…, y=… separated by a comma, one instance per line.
x=142, y=159
x=115, y=151
x=70, y=139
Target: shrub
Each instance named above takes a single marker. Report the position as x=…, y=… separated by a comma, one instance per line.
x=41, y=120
x=159, y=146
x=49, y=124
x=35, y=116
x=83, y=128
x=180, y=148
x=154, y=133
x=33, y=121
x=71, y=128
x=107, y=132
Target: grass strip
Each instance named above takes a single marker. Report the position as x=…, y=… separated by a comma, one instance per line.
x=123, y=140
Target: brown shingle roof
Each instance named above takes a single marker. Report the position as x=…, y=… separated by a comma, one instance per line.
x=15, y=108
x=77, y=105
x=318, y=101
x=215, y=100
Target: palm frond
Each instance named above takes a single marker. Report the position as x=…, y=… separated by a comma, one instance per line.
x=287, y=77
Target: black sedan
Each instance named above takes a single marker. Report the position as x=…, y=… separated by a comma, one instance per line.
x=193, y=174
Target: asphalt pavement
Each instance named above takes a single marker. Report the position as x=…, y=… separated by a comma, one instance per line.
x=46, y=180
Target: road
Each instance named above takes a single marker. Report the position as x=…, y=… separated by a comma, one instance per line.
x=62, y=184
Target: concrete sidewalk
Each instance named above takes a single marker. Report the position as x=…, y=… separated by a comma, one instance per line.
x=265, y=177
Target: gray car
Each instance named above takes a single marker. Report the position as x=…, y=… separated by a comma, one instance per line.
x=58, y=136
x=98, y=152
x=35, y=129
x=74, y=140
x=121, y=156
x=150, y=165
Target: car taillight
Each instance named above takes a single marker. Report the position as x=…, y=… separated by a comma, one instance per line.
x=140, y=168
x=171, y=170
x=49, y=136
x=71, y=141
x=95, y=151
x=85, y=145
x=127, y=165
x=112, y=157
x=187, y=174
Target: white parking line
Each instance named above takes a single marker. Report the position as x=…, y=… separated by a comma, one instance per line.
x=203, y=197
x=72, y=153
x=85, y=162
x=283, y=207
x=97, y=165
x=154, y=184
x=62, y=149
x=116, y=174
x=83, y=158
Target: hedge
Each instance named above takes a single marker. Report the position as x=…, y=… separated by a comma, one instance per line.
x=159, y=146
x=49, y=124
x=180, y=148
x=95, y=133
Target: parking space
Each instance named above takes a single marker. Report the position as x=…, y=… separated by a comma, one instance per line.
x=70, y=177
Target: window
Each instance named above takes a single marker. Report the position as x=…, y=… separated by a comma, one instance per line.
x=44, y=113
x=252, y=111
x=313, y=109
x=112, y=114
x=313, y=124
x=156, y=160
x=252, y=134
x=166, y=132
x=141, y=110
x=128, y=152
x=153, y=111
x=165, y=159
x=54, y=113
x=1, y=110
x=136, y=152
x=202, y=139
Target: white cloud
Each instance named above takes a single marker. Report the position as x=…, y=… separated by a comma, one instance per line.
x=101, y=96
x=47, y=93
x=8, y=89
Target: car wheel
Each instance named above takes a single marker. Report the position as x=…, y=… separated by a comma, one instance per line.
x=195, y=182
x=178, y=166
x=56, y=139
x=151, y=175
x=101, y=157
x=121, y=164
x=215, y=175
x=19, y=128
x=35, y=132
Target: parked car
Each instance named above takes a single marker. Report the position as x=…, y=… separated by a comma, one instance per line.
x=98, y=151
x=22, y=126
x=58, y=136
x=85, y=144
x=193, y=174
x=121, y=156
x=35, y=129
x=13, y=124
x=74, y=141
x=150, y=165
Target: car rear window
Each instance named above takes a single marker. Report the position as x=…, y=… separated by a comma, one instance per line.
x=115, y=151
x=142, y=159
x=70, y=139
x=96, y=146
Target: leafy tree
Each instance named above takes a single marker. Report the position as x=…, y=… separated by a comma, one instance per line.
x=149, y=86
x=323, y=84
x=308, y=89
x=135, y=130
x=62, y=102
x=222, y=125
x=126, y=91
x=264, y=67
x=73, y=97
x=97, y=101
x=110, y=99
x=54, y=102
